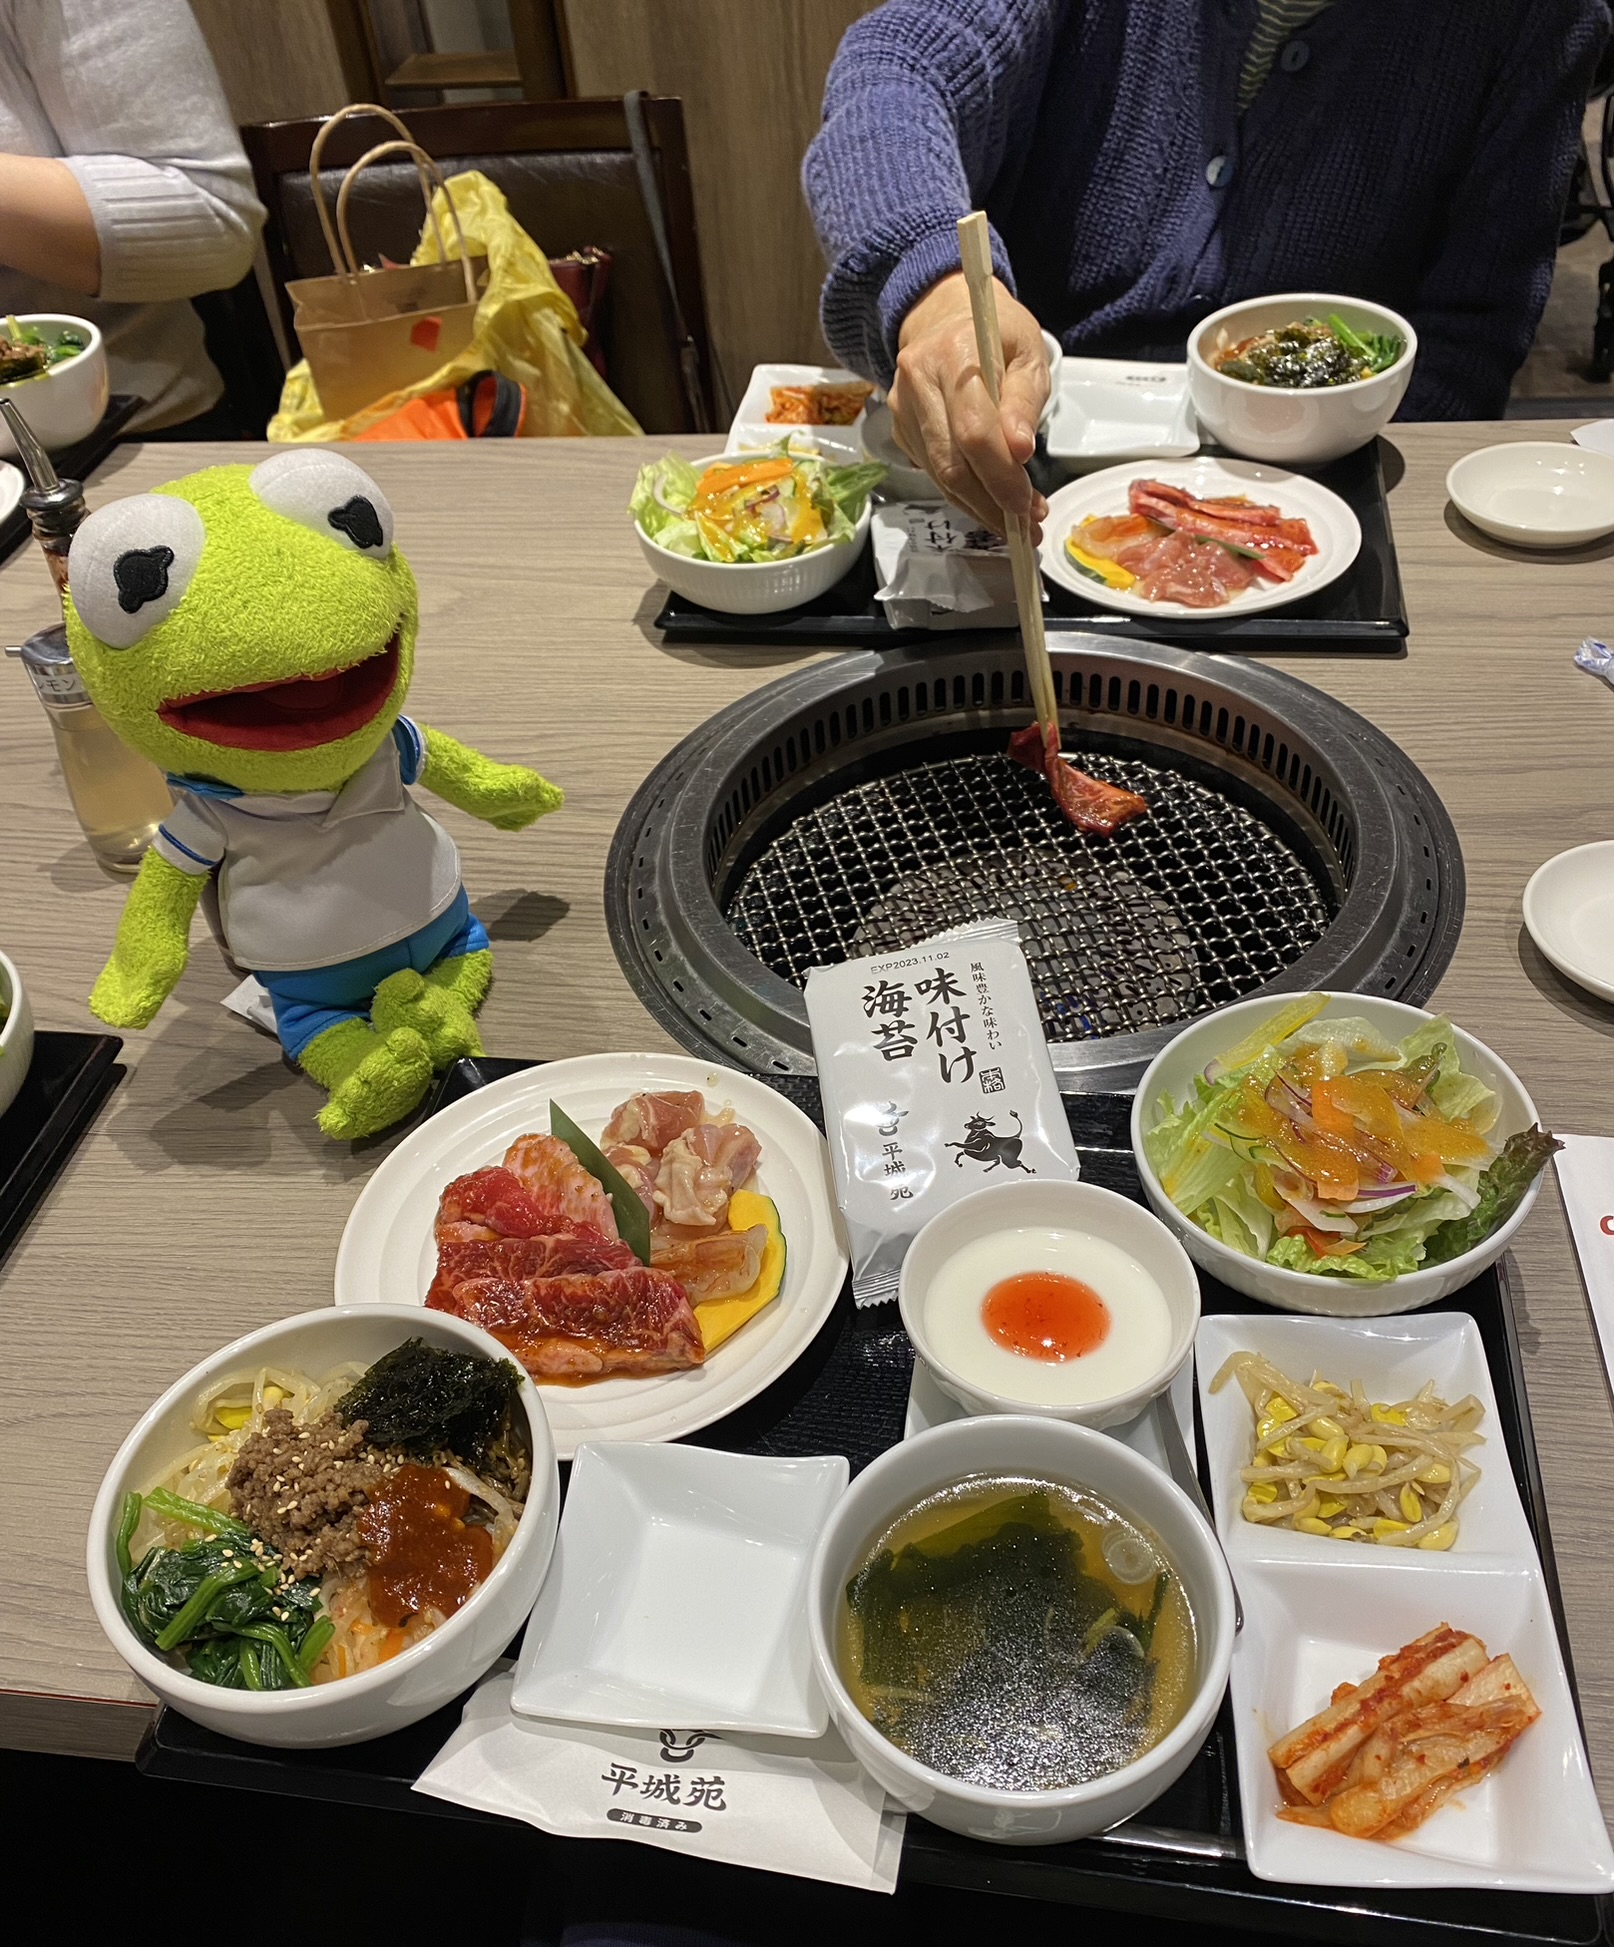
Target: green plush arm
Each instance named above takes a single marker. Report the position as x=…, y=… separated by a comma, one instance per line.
x=152, y=946
x=507, y=796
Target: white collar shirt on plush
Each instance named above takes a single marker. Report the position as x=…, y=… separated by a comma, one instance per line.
x=312, y=878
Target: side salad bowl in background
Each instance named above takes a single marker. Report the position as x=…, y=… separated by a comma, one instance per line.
x=755, y=582
x=1295, y=426
x=16, y=1032
x=65, y=402
x=421, y=1678
x=1161, y=1148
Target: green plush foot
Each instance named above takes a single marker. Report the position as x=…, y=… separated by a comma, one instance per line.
x=436, y=1013
x=469, y=976
x=374, y=1080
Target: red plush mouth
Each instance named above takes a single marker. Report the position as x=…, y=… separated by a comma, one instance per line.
x=294, y=715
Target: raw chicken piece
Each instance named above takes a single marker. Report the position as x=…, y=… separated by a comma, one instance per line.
x=701, y=1169
x=1199, y=574
x=637, y=1168
x=553, y=1177
x=652, y=1121
x=1089, y=805
x=709, y=1264
x=634, y=1321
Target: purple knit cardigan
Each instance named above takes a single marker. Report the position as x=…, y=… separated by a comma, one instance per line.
x=1412, y=151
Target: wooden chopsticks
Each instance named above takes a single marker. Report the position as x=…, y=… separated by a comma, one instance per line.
x=975, y=249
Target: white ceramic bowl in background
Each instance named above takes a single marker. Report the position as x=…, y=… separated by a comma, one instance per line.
x=1052, y=1205
x=1536, y=493
x=903, y=480
x=1056, y=366
x=16, y=1032
x=1172, y=1073
x=64, y=403
x=755, y=587
x=1069, y=1456
x=1294, y=427
x=422, y=1678
x=1568, y=912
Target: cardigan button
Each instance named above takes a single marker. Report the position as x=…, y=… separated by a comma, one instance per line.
x=1219, y=170
x=1294, y=57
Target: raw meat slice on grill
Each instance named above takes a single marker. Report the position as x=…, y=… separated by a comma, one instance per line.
x=1091, y=806
x=553, y=1177
x=634, y=1320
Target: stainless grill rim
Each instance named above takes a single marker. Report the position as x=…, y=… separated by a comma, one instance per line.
x=1401, y=899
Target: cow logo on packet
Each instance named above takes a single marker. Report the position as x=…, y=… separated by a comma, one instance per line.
x=936, y=1079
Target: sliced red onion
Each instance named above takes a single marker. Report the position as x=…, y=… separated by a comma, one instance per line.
x=1383, y=1198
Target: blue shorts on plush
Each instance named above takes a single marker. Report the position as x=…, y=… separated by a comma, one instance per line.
x=309, y=1002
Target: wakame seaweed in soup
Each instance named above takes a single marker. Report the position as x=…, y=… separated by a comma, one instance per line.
x=1018, y=1635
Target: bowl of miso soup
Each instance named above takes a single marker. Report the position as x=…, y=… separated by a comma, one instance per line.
x=1023, y=1628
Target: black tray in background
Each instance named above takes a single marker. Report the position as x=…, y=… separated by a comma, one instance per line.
x=1363, y=613
x=74, y=463
x=1183, y=1860
x=68, y=1079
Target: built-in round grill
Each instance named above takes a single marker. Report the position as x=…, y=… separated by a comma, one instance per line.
x=864, y=804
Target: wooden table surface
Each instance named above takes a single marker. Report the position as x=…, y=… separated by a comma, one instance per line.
x=205, y=1202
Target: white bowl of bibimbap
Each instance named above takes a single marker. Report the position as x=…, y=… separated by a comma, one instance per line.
x=330, y=1528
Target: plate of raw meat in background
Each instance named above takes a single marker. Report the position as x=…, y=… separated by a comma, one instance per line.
x=388, y=1252
x=1192, y=560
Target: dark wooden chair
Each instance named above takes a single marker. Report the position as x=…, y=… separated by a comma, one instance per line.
x=569, y=171
x=241, y=343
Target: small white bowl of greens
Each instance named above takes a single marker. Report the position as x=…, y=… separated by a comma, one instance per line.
x=53, y=369
x=1337, y=1153
x=752, y=533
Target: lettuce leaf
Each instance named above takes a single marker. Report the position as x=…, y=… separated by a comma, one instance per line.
x=1501, y=1190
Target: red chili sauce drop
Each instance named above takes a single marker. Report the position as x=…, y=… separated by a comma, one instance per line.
x=423, y=1554
x=1046, y=1315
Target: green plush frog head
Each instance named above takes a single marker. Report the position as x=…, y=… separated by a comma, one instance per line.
x=254, y=625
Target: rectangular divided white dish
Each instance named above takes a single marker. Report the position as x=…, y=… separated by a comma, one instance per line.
x=1320, y=1612
x=1116, y=409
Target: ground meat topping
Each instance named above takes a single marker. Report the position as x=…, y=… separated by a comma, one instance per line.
x=301, y=1487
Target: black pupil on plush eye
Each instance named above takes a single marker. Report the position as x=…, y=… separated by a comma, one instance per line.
x=359, y=521
x=141, y=575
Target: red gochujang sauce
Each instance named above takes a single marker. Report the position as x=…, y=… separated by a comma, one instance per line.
x=1046, y=1315
x=423, y=1553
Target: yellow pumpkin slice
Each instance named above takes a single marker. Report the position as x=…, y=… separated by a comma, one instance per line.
x=721, y=1318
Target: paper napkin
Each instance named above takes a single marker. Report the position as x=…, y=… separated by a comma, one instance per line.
x=786, y=1805
x=1586, y=1178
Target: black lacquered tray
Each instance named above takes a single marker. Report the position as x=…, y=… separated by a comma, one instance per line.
x=1363, y=613
x=75, y=462
x=1183, y=1860
x=68, y=1078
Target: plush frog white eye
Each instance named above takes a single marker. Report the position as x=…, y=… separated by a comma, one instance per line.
x=130, y=564
x=322, y=491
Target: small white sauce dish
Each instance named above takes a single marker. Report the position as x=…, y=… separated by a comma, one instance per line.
x=1128, y=1257
x=420, y=1679
x=1274, y=422
x=756, y=587
x=16, y=1032
x=1068, y=1456
x=1568, y=912
x=1536, y=493
x=1172, y=1073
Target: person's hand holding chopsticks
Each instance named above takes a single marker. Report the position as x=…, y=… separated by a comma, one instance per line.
x=944, y=418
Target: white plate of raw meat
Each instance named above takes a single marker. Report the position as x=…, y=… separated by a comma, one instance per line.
x=1333, y=532
x=388, y=1252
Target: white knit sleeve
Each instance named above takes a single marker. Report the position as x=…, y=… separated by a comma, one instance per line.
x=136, y=104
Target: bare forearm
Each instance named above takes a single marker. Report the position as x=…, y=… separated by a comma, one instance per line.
x=46, y=229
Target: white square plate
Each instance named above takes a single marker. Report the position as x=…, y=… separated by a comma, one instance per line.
x=1116, y=409
x=1319, y=1612
x=678, y=1592
x=752, y=430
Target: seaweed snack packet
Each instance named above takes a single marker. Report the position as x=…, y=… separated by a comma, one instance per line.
x=936, y=1080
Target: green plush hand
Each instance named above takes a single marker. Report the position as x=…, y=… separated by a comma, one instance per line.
x=506, y=796
x=152, y=947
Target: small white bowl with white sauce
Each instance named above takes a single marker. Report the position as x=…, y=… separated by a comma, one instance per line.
x=1120, y=1251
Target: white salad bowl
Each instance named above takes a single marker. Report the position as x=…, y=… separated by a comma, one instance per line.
x=420, y=1679
x=756, y=587
x=16, y=1032
x=1068, y=1456
x=1294, y=427
x=1172, y=1073
x=1052, y=1205
x=64, y=403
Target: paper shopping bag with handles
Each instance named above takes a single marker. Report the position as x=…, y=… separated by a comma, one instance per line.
x=369, y=333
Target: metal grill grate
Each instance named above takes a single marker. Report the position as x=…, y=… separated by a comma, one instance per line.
x=1196, y=905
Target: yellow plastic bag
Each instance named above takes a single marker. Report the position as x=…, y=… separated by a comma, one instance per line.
x=526, y=328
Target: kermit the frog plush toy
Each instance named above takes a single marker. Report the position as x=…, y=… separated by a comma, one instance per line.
x=252, y=631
